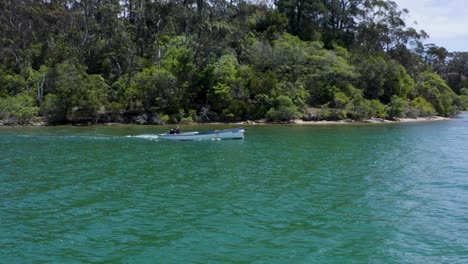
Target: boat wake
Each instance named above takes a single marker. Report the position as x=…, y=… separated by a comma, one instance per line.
x=149, y=136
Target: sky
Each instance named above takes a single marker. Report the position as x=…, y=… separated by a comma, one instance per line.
x=446, y=21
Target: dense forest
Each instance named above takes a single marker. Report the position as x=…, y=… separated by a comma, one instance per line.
x=163, y=61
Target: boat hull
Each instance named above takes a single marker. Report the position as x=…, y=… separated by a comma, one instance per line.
x=237, y=133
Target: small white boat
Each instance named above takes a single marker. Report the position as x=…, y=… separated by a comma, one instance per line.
x=236, y=133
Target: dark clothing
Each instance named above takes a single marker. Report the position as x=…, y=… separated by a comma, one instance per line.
x=174, y=131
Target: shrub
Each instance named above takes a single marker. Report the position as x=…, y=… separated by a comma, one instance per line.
x=340, y=99
x=436, y=91
x=115, y=107
x=359, y=108
x=398, y=107
x=186, y=119
x=422, y=108
x=236, y=110
x=18, y=110
x=330, y=114
x=284, y=109
x=52, y=109
x=464, y=102
x=377, y=109
x=464, y=91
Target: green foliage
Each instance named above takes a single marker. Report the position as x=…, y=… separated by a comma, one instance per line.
x=358, y=107
x=284, y=109
x=164, y=118
x=340, y=99
x=451, y=65
x=36, y=80
x=464, y=91
x=326, y=71
x=53, y=110
x=260, y=106
x=230, y=83
x=295, y=91
x=464, y=102
x=178, y=59
x=377, y=109
x=263, y=83
x=372, y=79
x=185, y=116
x=421, y=108
x=331, y=114
x=271, y=23
x=436, y=91
x=11, y=84
x=74, y=94
x=114, y=107
x=398, y=107
x=397, y=82
x=18, y=110
x=225, y=76
x=228, y=60
x=382, y=78
x=155, y=89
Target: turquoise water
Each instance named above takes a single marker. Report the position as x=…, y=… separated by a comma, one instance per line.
x=285, y=194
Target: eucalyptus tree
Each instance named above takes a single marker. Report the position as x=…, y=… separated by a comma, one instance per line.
x=382, y=29
x=339, y=23
x=23, y=29
x=456, y=71
x=72, y=93
x=303, y=17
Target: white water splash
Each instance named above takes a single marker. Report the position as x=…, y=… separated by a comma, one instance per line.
x=148, y=136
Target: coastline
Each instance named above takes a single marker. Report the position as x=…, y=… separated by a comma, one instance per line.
x=264, y=122
x=373, y=121
x=301, y=122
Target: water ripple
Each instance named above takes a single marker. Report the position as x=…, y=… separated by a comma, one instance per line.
x=385, y=194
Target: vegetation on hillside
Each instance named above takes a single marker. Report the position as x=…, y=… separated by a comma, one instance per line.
x=157, y=61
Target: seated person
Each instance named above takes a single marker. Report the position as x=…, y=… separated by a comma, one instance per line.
x=175, y=130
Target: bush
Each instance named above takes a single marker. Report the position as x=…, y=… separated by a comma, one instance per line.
x=436, y=91
x=359, y=108
x=52, y=109
x=187, y=117
x=164, y=118
x=284, y=109
x=18, y=110
x=330, y=115
x=236, y=111
x=464, y=102
x=464, y=91
x=422, y=108
x=115, y=108
x=340, y=99
x=261, y=104
x=398, y=107
x=377, y=109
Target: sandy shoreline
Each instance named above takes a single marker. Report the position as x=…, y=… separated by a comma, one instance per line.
x=292, y=122
x=340, y=122
x=372, y=121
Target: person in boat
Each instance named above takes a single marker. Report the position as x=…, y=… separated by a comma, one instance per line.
x=175, y=130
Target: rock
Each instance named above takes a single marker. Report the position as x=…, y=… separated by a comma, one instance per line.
x=155, y=120
x=141, y=119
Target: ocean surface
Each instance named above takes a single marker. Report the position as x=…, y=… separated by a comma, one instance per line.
x=386, y=193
